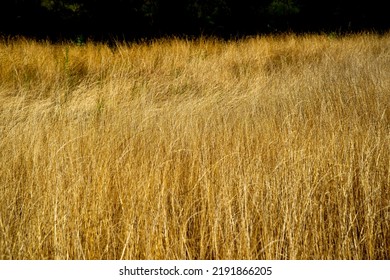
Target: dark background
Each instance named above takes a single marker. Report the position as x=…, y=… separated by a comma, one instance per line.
x=135, y=19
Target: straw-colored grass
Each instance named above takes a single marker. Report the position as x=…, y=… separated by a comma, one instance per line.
x=266, y=148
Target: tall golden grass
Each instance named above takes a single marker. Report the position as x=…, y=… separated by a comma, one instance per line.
x=265, y=148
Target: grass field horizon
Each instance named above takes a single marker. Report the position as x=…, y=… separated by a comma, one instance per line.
x=271, y=147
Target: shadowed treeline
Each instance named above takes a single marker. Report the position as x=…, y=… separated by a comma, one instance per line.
x=131, y=19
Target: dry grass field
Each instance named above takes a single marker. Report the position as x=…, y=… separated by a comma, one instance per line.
x=271, y=147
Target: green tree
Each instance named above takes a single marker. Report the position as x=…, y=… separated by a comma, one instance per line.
x=283, y=8
x=281, y=13
x=64, y=8
x=208, y=16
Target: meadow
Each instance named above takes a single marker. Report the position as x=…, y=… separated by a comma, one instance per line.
x=269, y=147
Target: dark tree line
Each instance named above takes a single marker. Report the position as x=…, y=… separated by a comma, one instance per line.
x=128, y=19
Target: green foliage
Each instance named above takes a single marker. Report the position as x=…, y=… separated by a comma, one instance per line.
x=66, y=8
x=283, y=8
x=80, y=40
x=149, y=9
x=207, y=13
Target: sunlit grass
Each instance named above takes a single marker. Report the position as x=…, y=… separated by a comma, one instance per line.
x=266, y=148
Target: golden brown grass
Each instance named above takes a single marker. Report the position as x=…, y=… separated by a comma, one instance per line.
x=266, y=148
